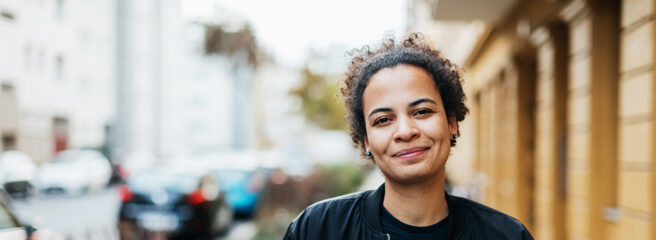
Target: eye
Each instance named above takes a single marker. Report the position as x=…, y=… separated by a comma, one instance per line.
x=381, y=120
x=423, y=111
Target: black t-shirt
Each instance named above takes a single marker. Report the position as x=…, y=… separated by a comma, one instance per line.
x=399, y=230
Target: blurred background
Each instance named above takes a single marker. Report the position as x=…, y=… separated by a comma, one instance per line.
x=218, y=119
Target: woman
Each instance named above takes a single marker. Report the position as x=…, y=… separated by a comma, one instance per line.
x=404, y=102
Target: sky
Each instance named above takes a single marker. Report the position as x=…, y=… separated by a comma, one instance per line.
x=289, y=28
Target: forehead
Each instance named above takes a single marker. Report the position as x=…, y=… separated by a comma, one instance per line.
x=400, y=84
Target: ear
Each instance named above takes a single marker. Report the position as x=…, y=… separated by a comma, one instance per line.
x=453, y=124
x=366, y=144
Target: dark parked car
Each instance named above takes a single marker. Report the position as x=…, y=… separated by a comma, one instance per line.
x=174, y=205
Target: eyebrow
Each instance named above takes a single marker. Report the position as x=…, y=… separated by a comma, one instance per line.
x=422, y=100
x=412, y=104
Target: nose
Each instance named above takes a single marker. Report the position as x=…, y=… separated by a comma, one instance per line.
x=406, y=130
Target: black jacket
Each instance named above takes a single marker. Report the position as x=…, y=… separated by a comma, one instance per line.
x=357, y=216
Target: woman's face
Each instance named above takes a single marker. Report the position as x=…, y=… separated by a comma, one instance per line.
x=408, y=132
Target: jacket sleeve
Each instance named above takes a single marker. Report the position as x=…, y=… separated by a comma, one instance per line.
x=295, y=230
x=526, y=235
x=292, y=232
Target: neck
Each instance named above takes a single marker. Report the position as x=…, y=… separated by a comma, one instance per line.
x=421, y=204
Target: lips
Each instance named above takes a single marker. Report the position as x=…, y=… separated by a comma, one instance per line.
x=411, y=152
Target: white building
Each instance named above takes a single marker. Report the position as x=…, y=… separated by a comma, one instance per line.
x=198, y=97
x=173, y=99
x=57, y=71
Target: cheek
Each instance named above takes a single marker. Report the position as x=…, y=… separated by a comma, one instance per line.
x=378, y=140
x=436, y=131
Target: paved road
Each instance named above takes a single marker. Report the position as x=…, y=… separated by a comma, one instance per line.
x=92, y=216
x=242, y=230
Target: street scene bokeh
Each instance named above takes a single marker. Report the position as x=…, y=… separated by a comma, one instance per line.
x=219, y=119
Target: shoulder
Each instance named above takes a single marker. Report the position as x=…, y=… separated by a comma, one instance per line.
x=336, y=204
x=489, y=221
x=324, y=215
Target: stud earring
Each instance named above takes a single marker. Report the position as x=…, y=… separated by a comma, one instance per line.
x=455, y=136
x=368, y=154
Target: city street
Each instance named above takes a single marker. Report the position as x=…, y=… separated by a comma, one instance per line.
x=91, y=216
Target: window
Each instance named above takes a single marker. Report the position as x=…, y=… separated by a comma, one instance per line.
x=59, y=68
x=7, y=15
x=8, y=142
x=59, y=9
x=6, y=88
x=60, y=130
x=27, y=56
x=41, y=60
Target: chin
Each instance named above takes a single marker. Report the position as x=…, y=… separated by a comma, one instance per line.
x=419, y=171
x=408, y=178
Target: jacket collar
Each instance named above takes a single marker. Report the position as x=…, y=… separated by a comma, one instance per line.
x=371, y=208
x=371, y=212
x=458, y=222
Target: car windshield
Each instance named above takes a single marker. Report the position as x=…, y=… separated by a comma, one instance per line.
x=150, y=181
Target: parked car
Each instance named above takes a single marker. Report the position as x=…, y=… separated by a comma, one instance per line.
x=243, y=188
x=17, y=173
x=74, y=171
x=180, y=206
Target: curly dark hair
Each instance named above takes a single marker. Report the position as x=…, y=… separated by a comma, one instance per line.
x=413, y=50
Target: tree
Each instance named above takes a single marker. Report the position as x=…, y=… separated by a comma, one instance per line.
x=319, y=104
x=221, y=42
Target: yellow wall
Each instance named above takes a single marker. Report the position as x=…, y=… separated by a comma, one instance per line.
x=636, y=91
x=573, y=160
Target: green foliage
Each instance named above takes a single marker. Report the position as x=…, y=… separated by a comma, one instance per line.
x=342, y=178
x=325, y=182
x=319, y=102
x=274, y=228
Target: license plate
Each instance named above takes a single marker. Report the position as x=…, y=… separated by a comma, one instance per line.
x=155, y=221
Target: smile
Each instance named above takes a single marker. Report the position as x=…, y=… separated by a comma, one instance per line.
x=411, y=152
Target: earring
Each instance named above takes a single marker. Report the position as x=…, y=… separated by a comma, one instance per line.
x=368, y=154
x=455, y=136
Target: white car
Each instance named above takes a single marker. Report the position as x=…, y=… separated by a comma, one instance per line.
x=17, y=173
x=75, y=171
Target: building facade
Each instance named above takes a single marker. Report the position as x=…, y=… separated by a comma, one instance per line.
x=57, y=75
